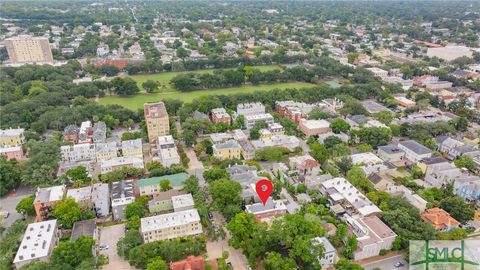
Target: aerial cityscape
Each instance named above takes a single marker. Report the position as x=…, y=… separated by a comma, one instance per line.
x=239, y=135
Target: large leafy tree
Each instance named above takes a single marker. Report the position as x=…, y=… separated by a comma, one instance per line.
x=73, y=253
x=9, y=175
x=25, y=206
x=457, y=208
x=339, y=125
x=226, y=196
x=67, y=212
x=215, y=173
x=275, y=261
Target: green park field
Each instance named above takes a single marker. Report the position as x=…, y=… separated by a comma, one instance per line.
x=166, y=91
x=136, y=102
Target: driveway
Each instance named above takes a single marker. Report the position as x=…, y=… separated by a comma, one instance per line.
x=110, y=236
x=10, y=201
x=195, y=166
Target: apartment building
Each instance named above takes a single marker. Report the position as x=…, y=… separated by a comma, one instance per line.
x=85, y=132
x=293, y=110
x=113, y=164
x=368, y=162
x=390, y=153
x=37, y=243
x=163, y=201
x=151, y=186
x=156, y=118
x=372, y=236
x=83, y=196
x=171, y=226
x=106, y=151
x=414, y=151
x=251, y=119
x=250, y=108
x=167, y=151
x=99, y=134
x=11, y=137
x=132, y=148
x=28, y=49
x=220, y=115
x=314, y=127
x=121, y=195
x=289, y=142
x=304, y=165
x=45, y=198
x=343, y=195
x=227, y=150
x=78, y=152
x=182, y=202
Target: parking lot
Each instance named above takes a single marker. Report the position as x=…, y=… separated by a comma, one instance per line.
x=387, y=264
x=110, y=236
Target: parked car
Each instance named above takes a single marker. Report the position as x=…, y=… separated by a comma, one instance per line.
x=103, y=247
x=398, y=264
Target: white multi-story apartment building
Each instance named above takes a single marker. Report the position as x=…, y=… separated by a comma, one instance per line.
x=329, y=257
x=105, y=151
x=167, y=151
x=250, y=108
x=251, y=119
x=107, y=166
x=182, y=202
x=132, y=148
x=171, y=225
x=38, y=243
x=78, y=152
x=122, y=195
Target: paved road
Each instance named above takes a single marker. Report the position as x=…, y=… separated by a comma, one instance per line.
x=195, y=166
x=387, y=264
x=110, y=236
x=10, y=201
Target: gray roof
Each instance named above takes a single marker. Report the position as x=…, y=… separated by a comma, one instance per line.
x=374, y=178
x=390, y=149
x=259, y=207
x=433, y=160
x=359, y=119
x=122, y=188
x=83, y=228
x=464, y=149
x=324, y=241
x=416, y=147
x=373, y=107
x=236, y=169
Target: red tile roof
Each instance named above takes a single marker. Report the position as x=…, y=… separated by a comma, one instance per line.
x=190, y=263
x=439, y=218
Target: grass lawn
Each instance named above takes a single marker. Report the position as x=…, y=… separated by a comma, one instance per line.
x=164, y=77
x=136, y=102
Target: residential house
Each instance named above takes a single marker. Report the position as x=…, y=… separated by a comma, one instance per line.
x=246, y=176
x=271, y=209
x=374, y=107
x=468, y=150
x=329, y=257
x=171, y=226
x=106, y=151
x=190, y=263
x=167, y=151
x=85, y=132
x=156, y=119
x=227, y=150
x=293, y=110
x=391, y=153
x=304, y=165
x=45, y=199
x=407, y=194
x=38, y=242
x=445, y=144
x=250, y=108
x=425, y=163
x=151, y=186
x=101, y=199
x=121, y=195
x=220, y=115
x=163, y=201
x=369, y=162
x=182, y=202
x=289, y=142
x=440, y=219
x=378, y=72
x=132, y=148
x=247, y=150
x=99, y=132
x=356, y=121
x=78, y=152
x=414, y=151
x=11, y=137
x=251, y=119
x=117, y=163
x=372, y=236
x=70, y=133
x=404, y=102
x=380, y=182
x=314, y=127
x=83, y=196
x=14, y=152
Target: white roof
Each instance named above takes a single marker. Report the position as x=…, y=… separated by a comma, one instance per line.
x=80, y=194
x=258, y=116
x=339, y=187
x=169, y=220
x=314, y=124
x=11, y=132
x=119, y=161
x=36, y=241
x=368, y=158
x=132, y=144
x=10, y=149
x=183, y=200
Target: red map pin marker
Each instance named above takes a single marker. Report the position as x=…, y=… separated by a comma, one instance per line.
x=264, y=188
